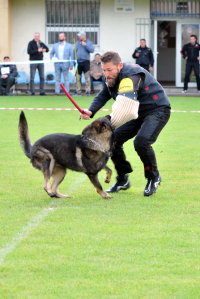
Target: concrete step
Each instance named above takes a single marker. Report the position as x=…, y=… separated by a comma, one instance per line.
x=172, y=90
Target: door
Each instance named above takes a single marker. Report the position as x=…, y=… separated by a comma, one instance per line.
x=184, y=30
x=163, y=35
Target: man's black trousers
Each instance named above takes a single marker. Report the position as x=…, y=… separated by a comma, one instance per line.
x=188, y=70
x=146, y=129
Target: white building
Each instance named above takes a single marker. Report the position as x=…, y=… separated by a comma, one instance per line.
x=110, y=24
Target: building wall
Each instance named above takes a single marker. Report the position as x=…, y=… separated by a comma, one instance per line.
x=5, y=25
x=28, y=17
x=118, y=30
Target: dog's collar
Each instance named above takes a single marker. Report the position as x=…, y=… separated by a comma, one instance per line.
x=98, y=146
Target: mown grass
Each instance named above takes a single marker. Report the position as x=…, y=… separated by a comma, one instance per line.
x=88, y=247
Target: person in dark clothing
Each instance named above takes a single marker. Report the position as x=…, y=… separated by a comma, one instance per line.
x=190, y=52
x=8, y=75
x=36, y=48
x=134, y=83
x=144, y=56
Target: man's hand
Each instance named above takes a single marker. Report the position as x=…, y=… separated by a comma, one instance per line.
x=43, y=50
x=150, y=68
x=86, y=115
x=198, y=58
x=71, y=67
x=83, y=43
x=40, y=50
x=186, y=58
x=4, y=76
x=137, y=54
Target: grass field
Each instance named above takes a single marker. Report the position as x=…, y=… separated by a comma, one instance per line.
x=89, y=247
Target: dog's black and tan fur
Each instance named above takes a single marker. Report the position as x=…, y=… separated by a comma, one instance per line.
x=54, y=153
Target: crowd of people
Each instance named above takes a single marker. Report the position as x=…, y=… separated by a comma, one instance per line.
x=64, y=54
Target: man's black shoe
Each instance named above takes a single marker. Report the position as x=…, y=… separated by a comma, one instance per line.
x=121, y=184
x=33, y=94
x=42, y=94
x=152, y=185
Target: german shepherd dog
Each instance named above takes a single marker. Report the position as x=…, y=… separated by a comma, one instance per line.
x=55, y=153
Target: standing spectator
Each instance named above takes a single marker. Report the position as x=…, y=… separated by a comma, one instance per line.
x=144, y=56
x=83, y=49
x=190, y=53
x=96, y=71
x=7, y=78
x=62, y=51
x=36, y=48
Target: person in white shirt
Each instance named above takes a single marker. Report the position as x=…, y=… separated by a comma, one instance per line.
x=62, y=51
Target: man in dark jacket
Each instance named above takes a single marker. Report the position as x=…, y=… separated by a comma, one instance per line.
x=190, y=52
x=7, y=78
x=36, y=48
x=134, y=83
x=144, y=56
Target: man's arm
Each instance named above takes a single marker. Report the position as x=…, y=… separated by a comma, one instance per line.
x=72, y=56
x=52, y=52
x=151, y=58
x=126, y=105
x=98, y=102
x=135, y=57
x=45, y=48
x=31, y=50
x=89, y=46
x=13, y=71
x=183, y=51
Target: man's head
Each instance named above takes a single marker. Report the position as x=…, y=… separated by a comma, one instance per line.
x=193, y=39
x=62, y=37
x=112, y=65
x=81, y=35
x=97, y=57
x=6, y=58
x=37, y=37
x=142, y=43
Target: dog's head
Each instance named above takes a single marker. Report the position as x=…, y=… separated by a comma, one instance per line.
x=100, y=131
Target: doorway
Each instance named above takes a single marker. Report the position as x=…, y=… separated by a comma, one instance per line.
x=166, y=47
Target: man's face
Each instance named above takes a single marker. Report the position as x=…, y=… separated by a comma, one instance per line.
x=82, y=37
x=62, y=37
x=6, y=59
x=111, y=72
x=37, y=37
x=142, y=43
x=192, y=40
x=97, y=58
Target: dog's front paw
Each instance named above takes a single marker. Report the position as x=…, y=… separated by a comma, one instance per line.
x=107, y=196
x=107, y=179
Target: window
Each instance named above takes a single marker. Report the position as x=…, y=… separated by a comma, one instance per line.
x=184, y=9
x=71, y=17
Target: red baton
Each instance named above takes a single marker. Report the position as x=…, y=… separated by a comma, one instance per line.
x=73, y=102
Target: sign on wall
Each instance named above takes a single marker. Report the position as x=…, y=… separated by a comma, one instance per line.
x=124, y=5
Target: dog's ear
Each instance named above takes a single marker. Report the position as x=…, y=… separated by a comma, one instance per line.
x=108, y=117
x=102, y=127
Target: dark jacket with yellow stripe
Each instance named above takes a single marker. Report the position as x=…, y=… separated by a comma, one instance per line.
x=148, y=91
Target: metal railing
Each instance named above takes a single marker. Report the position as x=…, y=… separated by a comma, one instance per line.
x=70, y=17
x=172, y=9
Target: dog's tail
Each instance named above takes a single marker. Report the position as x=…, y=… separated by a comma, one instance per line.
x=24, y=138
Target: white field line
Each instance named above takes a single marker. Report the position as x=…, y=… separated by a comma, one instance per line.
x=36, y=220
x=74, y=109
